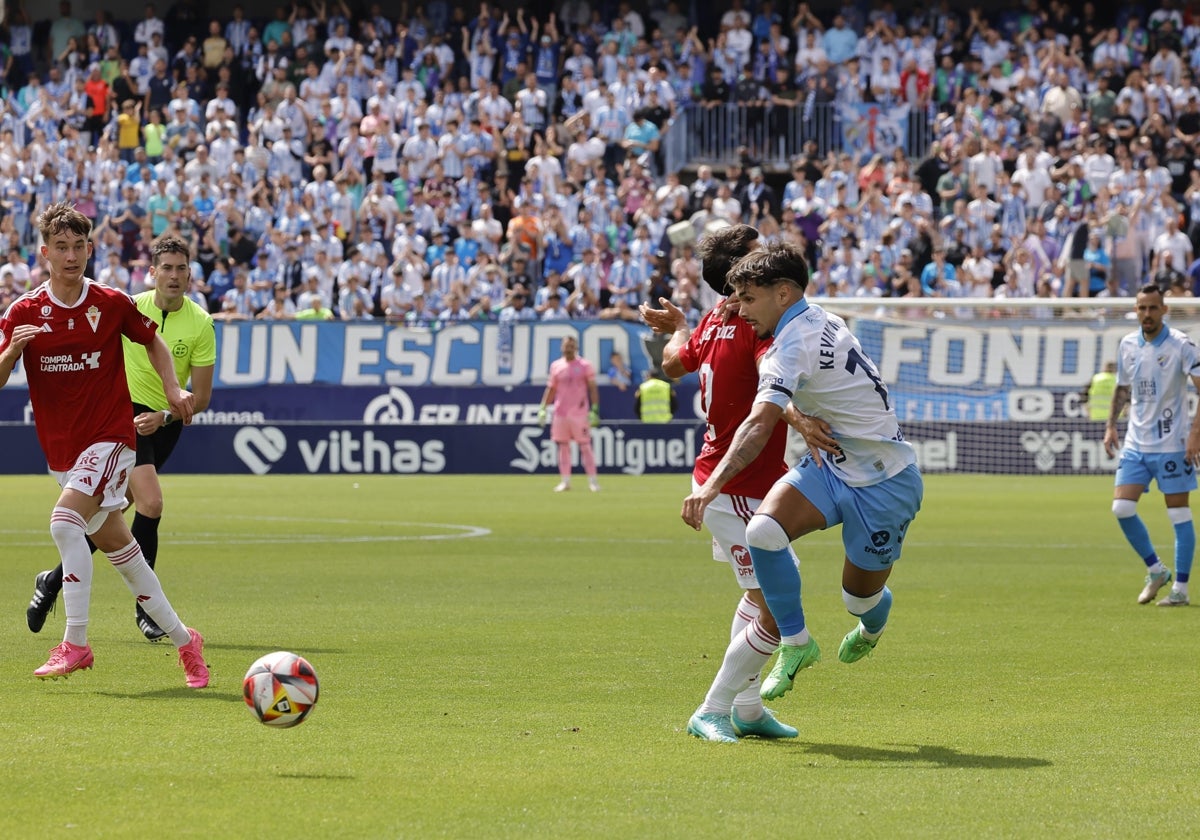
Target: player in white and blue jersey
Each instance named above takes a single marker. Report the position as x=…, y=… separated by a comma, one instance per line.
x=869, y=483
x=1154, y=365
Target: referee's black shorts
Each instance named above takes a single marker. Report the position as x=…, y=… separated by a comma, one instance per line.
x=156, y=448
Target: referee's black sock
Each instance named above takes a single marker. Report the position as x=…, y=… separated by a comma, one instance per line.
x=145, y=531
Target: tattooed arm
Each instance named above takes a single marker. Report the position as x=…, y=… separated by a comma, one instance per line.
x=1120, y=400
x=748, y=442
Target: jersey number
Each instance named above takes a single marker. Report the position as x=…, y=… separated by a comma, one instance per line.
x=706, y=392
x=855, y=361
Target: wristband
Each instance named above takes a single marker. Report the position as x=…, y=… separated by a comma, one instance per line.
x=167, y=417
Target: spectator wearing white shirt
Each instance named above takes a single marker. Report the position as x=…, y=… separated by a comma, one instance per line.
x=532, y=101
x=1112, y=52
x=1032, y=176
x=222, y=149
x=15, y=275
x=396, y=300
x=340, y=40
x=199, y=165
x=885, y=82
x=1173, y=241
x=984, y=166
x=487, y=230
x=237, y=32
x=323, y=276
x=354, y=301
x=994, y=50
x=977, y=273
x=148, y=26
x=449, y=274
x=725, y=206
x=1098, y=165
x=420, y=151
x=517, y=308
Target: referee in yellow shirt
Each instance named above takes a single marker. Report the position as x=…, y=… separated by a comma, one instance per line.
x=188, y=331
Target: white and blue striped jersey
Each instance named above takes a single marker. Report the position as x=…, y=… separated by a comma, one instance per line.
x=818, y=364
x=1157, y=374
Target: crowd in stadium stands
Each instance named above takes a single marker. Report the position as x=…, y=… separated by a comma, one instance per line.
x=468, y=163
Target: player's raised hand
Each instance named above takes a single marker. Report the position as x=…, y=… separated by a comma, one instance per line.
x=729, y=307
x=663, y=321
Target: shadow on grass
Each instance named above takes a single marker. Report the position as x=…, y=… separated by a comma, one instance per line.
x=175, y=694
x=925, y=754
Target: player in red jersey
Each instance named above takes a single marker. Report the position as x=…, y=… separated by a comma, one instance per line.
x=67, y=332
x=725, y=351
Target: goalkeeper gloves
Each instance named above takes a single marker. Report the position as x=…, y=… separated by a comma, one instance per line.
x=541, y=415
x=594, y=416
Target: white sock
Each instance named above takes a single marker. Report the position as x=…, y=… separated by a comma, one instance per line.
x=144, y=585
x=867, y=634
x=738, y=675
x=745, y=613
x=801, y=638
x=1181, y=588
x=1157, y=569
x=67, y=528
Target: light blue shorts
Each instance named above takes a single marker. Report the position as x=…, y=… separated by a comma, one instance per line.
x=1170, y=469
x=873, y=519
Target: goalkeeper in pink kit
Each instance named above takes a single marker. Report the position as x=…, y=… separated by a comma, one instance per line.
x=572, y=390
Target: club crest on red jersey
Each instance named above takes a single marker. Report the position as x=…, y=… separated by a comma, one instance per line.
x=93, y=317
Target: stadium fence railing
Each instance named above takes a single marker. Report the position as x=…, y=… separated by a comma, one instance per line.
x=774, y=135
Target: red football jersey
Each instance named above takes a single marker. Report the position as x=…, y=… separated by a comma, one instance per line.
x=75, y=367
x=725, y=355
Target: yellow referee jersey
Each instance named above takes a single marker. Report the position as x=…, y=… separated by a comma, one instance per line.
x=189, y=335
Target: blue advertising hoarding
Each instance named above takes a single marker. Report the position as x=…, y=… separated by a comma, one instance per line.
x=936, y=371
x=374, y=354
x=1050, y=448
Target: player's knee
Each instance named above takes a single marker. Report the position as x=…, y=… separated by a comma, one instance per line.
x=856, y=605
x=766, y=533
x=151, y=507
x=1179, y=515
x=1124, y=508
x=65, y=525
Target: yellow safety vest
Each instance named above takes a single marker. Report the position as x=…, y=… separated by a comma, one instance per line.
x=1100, y=395
x=655, y=397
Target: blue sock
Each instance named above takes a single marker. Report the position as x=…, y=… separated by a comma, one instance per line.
x=780, y=581
x=1139, y=538
x=874, y=619
x=1185, y=547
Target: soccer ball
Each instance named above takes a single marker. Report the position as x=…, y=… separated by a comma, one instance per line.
x=281, y=689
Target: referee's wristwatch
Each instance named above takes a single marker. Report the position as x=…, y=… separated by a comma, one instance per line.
x=167, y=416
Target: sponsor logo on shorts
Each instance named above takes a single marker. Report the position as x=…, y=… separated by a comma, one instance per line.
x=742, y=559
x=879, y=546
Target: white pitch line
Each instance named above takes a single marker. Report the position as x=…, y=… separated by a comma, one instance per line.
x=223, y=538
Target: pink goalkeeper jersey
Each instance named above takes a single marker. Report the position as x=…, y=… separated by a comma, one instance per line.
x=570, y=381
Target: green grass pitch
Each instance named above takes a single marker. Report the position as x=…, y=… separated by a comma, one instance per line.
x=500, y=661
